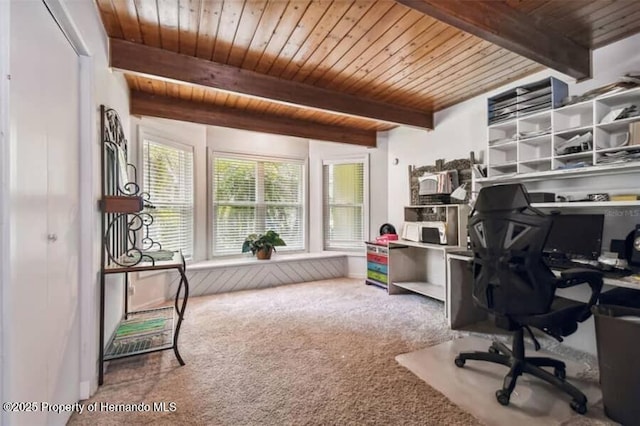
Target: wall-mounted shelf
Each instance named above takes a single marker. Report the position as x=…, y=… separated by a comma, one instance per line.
x=588, y=204
x=598, y=170
x=582, y=135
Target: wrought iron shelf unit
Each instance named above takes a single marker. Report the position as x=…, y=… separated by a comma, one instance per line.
x=129, y=247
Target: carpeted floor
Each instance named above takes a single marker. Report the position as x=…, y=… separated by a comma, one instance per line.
x=313, y=353
x=319, y=353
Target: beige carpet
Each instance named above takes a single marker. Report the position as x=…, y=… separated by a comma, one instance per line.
x=313, y=353
x=533, y=402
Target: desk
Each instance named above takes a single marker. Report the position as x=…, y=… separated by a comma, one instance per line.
x=460, y=308
x=418, y=267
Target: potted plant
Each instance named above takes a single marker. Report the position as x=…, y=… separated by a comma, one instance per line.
x=262, y=245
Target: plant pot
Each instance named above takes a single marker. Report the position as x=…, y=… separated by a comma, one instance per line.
x=264, y=254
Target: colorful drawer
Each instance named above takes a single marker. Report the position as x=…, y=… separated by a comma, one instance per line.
x=377, y=264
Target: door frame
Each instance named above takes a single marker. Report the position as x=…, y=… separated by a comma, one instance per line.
x=5, y=173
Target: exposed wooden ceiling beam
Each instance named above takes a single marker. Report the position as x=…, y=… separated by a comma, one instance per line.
x=140, y=59
x=197, y=112
x=511, y=29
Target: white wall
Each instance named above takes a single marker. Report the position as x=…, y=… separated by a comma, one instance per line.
x=224, y=139
x=5, y=176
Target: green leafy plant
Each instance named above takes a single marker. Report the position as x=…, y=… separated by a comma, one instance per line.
x=262, y=244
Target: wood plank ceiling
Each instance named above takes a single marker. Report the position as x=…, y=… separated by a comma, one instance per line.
x=381, y=51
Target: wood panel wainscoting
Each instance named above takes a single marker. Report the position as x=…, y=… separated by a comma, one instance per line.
x=212, y=277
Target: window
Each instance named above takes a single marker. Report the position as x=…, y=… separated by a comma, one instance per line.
x=253, y=195
x=345, y=204
x=168, y=178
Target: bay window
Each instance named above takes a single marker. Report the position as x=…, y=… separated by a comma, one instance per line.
x=254, y=195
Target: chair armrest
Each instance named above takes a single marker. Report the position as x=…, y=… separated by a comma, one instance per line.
x=577, y=276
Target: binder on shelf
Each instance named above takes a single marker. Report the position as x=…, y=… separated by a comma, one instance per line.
x=634, y=133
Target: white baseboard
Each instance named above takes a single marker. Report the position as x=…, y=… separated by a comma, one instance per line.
x=85, y=390
x=357, y=275
x=151, y=304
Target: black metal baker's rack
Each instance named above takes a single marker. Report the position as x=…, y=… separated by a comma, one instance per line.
x=128, y=247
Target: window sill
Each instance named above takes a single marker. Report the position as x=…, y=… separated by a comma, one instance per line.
x=275, y=258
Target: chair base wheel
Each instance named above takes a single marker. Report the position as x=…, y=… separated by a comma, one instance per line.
x=503, y=397
x=560, y=373
x=578, y=407
x=493, y=350
x=459, y=362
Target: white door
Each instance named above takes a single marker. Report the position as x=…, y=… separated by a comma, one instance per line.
x=43, y=353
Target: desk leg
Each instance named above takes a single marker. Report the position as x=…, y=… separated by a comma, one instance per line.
x=462, y=310
x=180, y=310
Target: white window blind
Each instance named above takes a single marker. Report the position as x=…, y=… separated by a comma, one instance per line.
x=168, y=178
x=252, y=195
x=344, y=204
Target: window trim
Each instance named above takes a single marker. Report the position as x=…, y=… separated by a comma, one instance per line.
x=145, y=133
x=364, y=159
x=212, y=154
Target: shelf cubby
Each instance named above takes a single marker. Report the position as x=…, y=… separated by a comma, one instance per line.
x=534, y=125
x=573, y=116
x=616, y=102
x=503, y=132
x=537, y=165
x=535, y=148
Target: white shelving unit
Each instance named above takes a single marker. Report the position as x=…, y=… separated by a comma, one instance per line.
x=454, y=215
x=422, y=267
x=419, y=268
x=537, y=142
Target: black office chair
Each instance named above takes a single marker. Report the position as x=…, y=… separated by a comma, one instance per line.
x=512, y=282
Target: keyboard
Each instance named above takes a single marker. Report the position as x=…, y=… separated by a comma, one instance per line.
x=563, y=263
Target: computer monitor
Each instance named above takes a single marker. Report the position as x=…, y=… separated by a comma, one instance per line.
x=576, y=235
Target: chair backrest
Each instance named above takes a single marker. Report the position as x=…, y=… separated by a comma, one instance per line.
x=507, y=237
